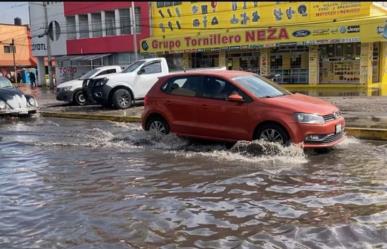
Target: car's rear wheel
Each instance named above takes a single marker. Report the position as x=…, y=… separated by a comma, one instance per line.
x=157, y=125
x=122, y=99
x=79, y=98
x=272, y=133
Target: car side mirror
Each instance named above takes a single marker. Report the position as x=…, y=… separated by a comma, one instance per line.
x=235, y=97
x=141, y=71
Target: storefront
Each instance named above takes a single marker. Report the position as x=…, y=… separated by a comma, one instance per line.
x=336, y=43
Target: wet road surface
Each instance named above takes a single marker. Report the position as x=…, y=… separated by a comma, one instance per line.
x=84, y=184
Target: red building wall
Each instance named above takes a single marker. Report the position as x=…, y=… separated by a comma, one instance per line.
x=109, y=44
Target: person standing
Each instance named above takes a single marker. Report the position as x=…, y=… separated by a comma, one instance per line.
x=32, y=79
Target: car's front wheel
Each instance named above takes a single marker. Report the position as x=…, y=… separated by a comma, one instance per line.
x=122, y=99
x=79, y=98
x=157, y=125
x=272, y=133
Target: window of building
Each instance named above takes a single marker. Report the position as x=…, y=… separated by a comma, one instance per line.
x=161, y=4
x=137, y=14
x=70, y=27
x=83, y=26
x=200, y=60
x=8, y=49
x=375, y=62
x=96, y=24
x=125, y=21
x=110, y=23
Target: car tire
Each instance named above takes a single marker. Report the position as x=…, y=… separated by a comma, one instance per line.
x=122, y=99
x=79, y=98
x=157, y=124
x=272, y=133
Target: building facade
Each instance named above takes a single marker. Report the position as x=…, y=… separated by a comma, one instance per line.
x=305, y=43
x=85, y=35
x=20, y=36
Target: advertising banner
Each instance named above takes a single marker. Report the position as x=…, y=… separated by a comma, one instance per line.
x=174, y=18
x=370, y=30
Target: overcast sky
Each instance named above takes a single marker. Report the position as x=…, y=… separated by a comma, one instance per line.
x=10, y=10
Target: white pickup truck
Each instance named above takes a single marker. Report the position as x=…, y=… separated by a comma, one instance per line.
x=122, y=90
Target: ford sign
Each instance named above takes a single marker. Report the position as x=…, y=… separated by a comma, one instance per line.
x=301, y=33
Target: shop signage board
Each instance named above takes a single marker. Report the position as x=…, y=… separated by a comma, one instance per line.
x=174, y=18
x=369, y=30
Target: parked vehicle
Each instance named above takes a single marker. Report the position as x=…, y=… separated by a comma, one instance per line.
x=71, y=91
x=236, y=105
x=13, y=101
x=128, y=87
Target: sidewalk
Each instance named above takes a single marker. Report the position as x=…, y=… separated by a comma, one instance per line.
x=366, y=117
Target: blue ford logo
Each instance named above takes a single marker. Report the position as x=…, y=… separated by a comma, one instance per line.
x=301, y=33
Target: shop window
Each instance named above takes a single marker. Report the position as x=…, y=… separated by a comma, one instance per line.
x=161, y=4
x=137, y=13
x=96, y=24
x=200, y=60
x=110, y=23
x=70, y=25
x=83, y=26
x=124, y=21
x=295, y=61
x=340, y=63
x=276, y=61
x=375, y=62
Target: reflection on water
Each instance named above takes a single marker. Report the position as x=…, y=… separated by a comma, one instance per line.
x=83, y=184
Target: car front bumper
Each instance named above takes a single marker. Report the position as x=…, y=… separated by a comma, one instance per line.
x=19, y=111
x=63, y=95
x=327, y=135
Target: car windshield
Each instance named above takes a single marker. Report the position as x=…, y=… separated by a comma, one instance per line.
x=89, y=74
x=133, y=66
x=260, y=87
x=4, y=82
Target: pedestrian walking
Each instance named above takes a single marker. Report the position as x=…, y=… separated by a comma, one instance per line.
x=32, y=79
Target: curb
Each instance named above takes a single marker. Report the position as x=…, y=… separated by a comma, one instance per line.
x=358, y=132
x=74, y=115
x=367, y=133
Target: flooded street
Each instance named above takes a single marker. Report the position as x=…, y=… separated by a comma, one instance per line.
x=88, y=184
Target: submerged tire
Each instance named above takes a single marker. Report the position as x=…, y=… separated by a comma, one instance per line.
x=122, y=99
x=157, y=125
x=272, y=133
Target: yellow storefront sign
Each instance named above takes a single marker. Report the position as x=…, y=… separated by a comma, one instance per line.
x=369, y=30
x=174, y=18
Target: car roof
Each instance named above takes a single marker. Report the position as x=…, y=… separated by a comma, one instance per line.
x=209, y=72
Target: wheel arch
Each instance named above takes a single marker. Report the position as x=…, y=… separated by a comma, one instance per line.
x=154, y=115
x=117, y=88
x=74, y=92
x=268, y=122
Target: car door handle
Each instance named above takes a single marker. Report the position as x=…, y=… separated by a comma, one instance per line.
x=204, y=106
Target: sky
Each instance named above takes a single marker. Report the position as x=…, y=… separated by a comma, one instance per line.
x=10, y=10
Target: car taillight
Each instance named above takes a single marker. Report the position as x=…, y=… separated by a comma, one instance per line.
x=145, y=100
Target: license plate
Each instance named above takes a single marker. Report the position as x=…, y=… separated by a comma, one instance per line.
x=338, y=128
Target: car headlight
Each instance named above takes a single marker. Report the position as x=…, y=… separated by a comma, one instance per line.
x=307, y=118
x=67, y=88
x=32, y=101
x=2, y=105
x=101, y=82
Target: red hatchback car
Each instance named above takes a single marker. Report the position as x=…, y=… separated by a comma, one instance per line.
x=224, y=105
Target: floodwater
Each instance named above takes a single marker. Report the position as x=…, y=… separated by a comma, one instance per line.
x=85, y=184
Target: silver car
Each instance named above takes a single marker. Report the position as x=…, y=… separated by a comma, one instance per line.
x=15, y=102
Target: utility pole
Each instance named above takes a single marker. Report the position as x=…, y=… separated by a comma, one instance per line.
x=14, y=61
x=51, y=83
x=134, y=30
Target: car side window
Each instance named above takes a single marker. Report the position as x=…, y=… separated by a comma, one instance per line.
x=109, y=71
x=216, y=88
x=184, y=86
x=154, y=67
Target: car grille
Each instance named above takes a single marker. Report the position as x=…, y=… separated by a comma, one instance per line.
x=328, y=139
x=329, y=117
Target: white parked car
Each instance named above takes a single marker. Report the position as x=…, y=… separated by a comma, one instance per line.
x=14, y=102
x=71, y=91
x=122, y=90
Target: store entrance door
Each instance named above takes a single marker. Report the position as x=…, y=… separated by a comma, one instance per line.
x=244, y=61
